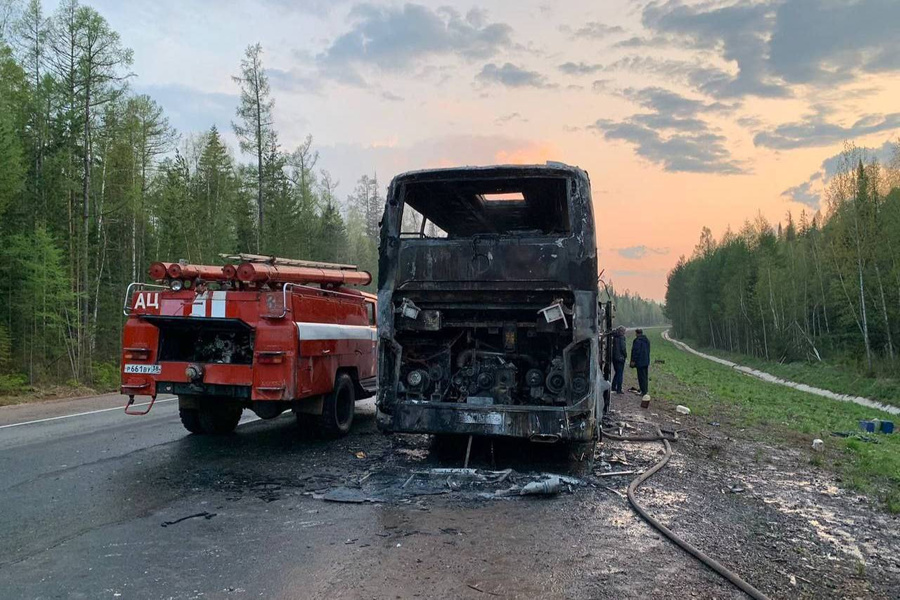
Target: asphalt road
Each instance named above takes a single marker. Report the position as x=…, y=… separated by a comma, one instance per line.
x=86, y=494
x=96, y=504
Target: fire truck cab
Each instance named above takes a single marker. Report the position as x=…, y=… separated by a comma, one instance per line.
x=268, y=334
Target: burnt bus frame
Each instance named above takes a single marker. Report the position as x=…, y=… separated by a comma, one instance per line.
x=576, y=273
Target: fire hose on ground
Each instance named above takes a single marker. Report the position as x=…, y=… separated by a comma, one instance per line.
x=713, y=564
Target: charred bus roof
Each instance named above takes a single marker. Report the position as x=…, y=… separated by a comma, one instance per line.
x=467, y=201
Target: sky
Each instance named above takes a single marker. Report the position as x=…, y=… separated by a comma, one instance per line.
x=685, y=114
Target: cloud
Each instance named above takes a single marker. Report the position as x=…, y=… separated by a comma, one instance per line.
x=884, y=155
x=397, y=38
x=664, y=121
x=772, y=43
x=810, y=191
x=579, y=68
x=704, y=78
x=803, y=194
x=294, y=80
x=391, y=97
x=510, y=75
x=504, y=119
x=638, y=252
x=738, y=32
x=190, y=109
x=592, y=30
x=749, y=121
x=657, y=41
x=672, y=103
x=816, y=130
x=673, y=134
x=823, y=42
x=695, y=152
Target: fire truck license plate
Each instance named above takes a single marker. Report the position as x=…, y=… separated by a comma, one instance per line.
x=144, y=369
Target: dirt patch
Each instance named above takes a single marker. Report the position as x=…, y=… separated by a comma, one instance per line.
x=764, y=511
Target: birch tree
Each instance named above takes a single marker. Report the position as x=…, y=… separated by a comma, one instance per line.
x=102, y=71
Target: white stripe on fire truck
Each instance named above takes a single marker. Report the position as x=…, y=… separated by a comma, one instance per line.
x=218, y=304
x=198, y=308
x=330, y=331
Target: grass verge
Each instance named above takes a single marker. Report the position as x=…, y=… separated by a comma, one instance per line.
x=43, y=394
x=770, y=412
x=15, y=389
x=828, y=376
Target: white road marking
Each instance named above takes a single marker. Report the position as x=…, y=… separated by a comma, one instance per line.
x=251, y=419
x=81, y=414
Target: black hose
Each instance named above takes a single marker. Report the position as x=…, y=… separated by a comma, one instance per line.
x=732, y=577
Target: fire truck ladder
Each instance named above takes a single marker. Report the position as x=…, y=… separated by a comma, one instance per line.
x=286, y=262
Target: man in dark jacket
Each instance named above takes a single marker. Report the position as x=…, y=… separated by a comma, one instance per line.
x=619, y=356
x=640, y=360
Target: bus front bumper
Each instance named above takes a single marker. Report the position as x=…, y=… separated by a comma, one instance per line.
x=575, y=423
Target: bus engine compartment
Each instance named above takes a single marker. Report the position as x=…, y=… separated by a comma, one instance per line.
x=518, y=351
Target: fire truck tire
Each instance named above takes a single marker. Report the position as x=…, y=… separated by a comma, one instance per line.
x=338, y=408
x=190, y=418
x=219, y=421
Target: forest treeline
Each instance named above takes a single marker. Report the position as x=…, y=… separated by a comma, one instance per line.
x=95, y=184
x=823, y=287
x=631, y=310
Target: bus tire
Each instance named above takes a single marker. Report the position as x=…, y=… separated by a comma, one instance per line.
x=190, y=418
x=338, y=408
x=219, y=420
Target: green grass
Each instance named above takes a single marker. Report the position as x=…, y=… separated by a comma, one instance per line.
x=778, y=414
x=15, y=389
x=836, y=378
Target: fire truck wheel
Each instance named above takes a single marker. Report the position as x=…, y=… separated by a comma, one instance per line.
x=218, y=421
x=338, y=409
x=190, y=418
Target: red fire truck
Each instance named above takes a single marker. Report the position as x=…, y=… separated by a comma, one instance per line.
x=266, y=334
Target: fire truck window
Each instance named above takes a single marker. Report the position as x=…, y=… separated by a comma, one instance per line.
x=370, y=312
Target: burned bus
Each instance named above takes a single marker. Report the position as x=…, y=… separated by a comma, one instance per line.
x=488, y=305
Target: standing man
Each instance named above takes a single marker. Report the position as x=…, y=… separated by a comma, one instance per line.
x=640, y=360
x=619, y=356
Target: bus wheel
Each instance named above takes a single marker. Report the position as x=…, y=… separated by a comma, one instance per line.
x=219, y=420
x=338, y=408
x=190, y=418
